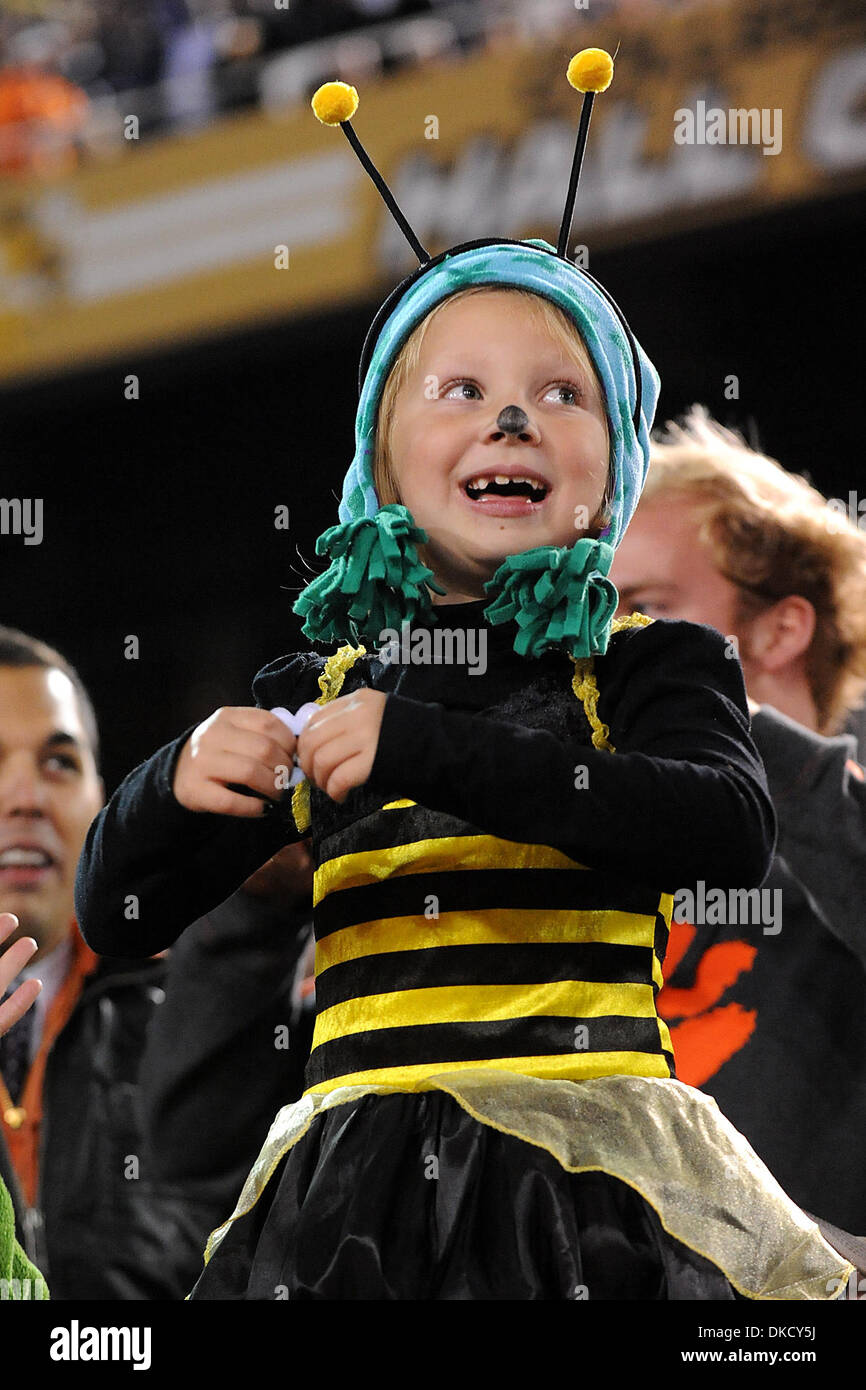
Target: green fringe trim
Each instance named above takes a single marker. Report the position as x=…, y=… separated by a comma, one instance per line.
x=375, y=579
x=559, y=597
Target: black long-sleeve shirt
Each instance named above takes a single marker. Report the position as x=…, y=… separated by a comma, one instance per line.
x=683, y=798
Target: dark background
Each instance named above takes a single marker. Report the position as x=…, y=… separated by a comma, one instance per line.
x=159, y=513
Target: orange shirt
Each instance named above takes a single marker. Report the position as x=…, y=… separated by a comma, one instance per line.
x=22, y=1122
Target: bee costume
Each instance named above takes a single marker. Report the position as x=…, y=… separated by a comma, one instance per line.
x=492, y=1110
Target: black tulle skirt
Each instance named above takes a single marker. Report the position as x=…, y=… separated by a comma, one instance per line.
x=407, y=1196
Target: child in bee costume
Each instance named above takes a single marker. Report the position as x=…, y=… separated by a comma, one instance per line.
x=491, y=1108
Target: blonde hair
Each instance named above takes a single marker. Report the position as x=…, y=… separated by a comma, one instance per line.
x=560, y=327
x=773, y=535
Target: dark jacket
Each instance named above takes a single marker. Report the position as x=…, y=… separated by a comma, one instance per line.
x=228, y=1048
x=772, y=1022
x=102, y=1225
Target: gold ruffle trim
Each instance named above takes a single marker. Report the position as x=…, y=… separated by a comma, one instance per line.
x=585, y=685
x=330, y=684
x=666, y=1140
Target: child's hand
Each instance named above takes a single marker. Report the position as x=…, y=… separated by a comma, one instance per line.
x=338, y=745
x=236, y=746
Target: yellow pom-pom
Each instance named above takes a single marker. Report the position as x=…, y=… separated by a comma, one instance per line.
x=591, y=70
x=335, y=102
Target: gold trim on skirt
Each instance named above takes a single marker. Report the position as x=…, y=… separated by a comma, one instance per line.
x=668, y=1141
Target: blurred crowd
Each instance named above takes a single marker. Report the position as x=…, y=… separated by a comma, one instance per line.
x=174, y=63
x=71, y=70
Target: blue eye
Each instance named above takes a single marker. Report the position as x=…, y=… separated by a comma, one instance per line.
x=570, y=389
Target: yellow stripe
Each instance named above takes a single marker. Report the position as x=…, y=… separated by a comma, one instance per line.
x=481, y=1003
x=434, y=856
x=503, y=926
x=398, y=805
x=666, y=1039
x=578, y=1067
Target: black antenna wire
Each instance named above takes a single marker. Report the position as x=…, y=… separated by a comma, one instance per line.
x=576, y=163
x=387, y=195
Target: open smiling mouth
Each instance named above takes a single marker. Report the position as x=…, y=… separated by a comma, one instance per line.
x=503, y=496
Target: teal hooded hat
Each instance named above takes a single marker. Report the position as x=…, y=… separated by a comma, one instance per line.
x=559, y=597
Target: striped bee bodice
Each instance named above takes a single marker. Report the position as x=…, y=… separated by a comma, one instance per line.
x=440, y=948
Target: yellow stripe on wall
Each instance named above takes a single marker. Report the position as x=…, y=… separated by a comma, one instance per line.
x=482, y=1003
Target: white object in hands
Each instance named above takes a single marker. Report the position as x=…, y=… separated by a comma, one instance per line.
x=296, y=722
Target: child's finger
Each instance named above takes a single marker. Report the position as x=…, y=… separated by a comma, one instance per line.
x=226, y=800
x=331, y=714
x=319, y=761
x=253, y=743
x=347, y=775
x=239, y=770
x=262, y=721
x=338, y=726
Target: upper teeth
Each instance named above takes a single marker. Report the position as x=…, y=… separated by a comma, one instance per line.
x=23, y=856
x=504, y=478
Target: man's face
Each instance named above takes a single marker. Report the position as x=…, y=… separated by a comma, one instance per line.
x=49, y=793
x=660, y=568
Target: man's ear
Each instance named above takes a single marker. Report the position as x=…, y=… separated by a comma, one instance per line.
x=781, y=635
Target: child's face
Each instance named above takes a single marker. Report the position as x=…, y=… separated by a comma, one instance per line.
x=478, y=356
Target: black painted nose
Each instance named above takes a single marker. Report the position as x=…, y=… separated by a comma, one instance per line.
x=512, y=420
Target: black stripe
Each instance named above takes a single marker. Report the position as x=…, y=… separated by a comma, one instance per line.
x=419, y=1044
x=474, y=890
x=496, y=964
x=662, y=933
x=378, y=829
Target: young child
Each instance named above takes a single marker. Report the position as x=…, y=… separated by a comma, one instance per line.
x=491, y=1109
